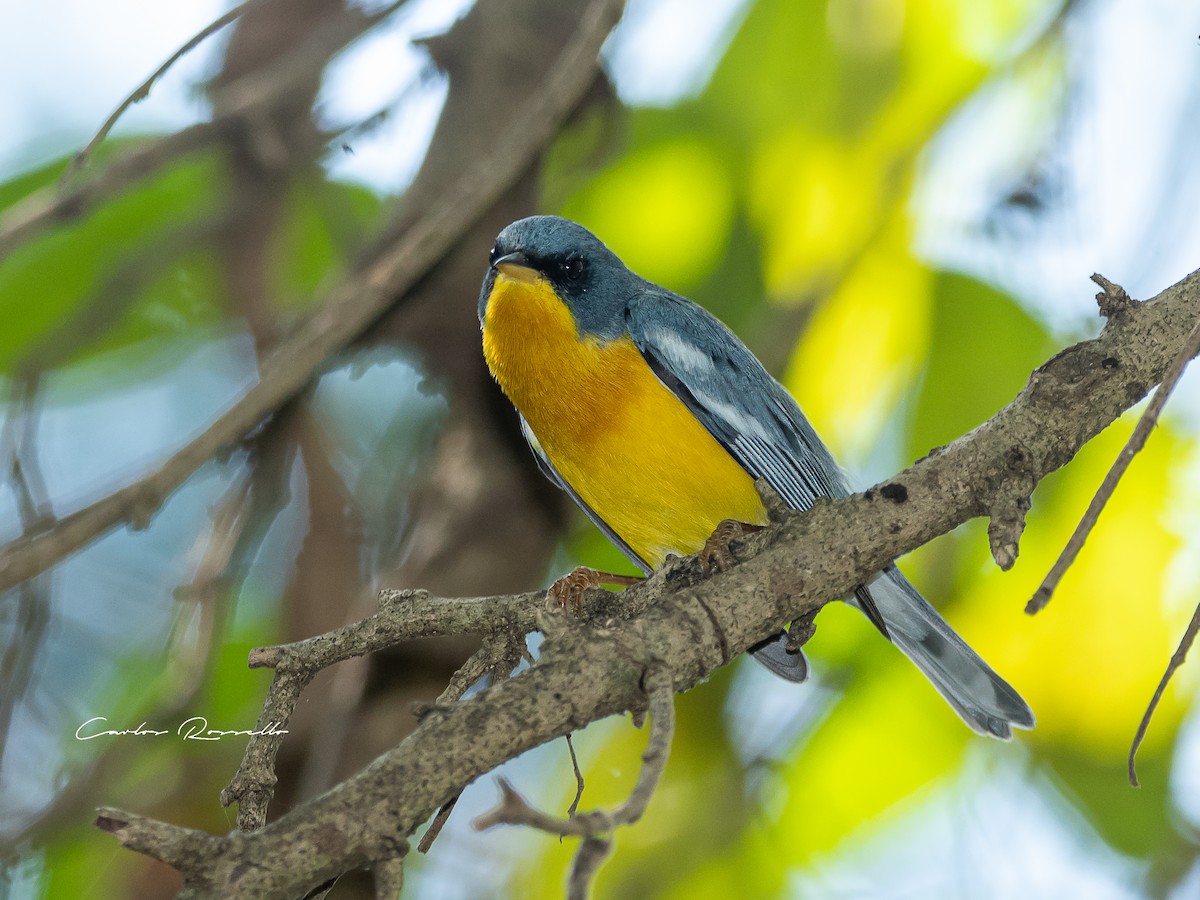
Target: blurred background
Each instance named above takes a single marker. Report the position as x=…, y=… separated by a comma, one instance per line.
x=897, y=205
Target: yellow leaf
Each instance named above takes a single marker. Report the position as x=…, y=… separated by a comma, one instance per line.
x=864, y=346
x=890, y=736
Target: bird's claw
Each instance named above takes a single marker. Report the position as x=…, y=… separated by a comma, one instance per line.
x=571, y=587
x=715, y=556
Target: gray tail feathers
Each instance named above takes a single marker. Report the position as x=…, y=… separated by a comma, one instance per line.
x=986, y=702
x=774, y=653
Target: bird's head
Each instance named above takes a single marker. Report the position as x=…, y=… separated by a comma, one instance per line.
x=556, y=253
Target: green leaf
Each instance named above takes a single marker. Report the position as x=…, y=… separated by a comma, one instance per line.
x=123, y=259
x=983, y=346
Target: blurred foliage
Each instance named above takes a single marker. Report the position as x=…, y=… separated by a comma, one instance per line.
x=119, y=306
x=782, y=198
x=53, y=281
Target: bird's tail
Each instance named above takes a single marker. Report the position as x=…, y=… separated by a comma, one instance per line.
x=986, y=702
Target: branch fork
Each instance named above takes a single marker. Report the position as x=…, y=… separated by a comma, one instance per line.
x=1112, y=299
x=595, y=827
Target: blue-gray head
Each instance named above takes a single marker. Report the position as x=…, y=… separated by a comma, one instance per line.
x=591, y=279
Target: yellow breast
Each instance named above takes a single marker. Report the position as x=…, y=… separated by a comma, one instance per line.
x=631, y=450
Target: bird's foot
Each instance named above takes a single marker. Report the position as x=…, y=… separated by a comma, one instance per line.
x=572, y=586
x=715, y=556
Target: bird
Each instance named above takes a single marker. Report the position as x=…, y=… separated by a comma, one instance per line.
x=657, y=420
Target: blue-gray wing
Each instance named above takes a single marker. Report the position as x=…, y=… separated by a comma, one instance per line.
x=734, y=397
x=550, y=472
x=749, y=413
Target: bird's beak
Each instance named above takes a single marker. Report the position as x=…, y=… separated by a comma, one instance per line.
x=516, y=266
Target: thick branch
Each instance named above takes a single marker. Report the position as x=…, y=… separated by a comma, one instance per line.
x=794, y=567
x=169, y=843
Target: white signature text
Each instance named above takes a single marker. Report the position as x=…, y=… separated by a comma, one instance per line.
x=193, y=729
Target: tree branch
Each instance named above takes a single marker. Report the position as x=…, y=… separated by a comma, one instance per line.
x=514, y=810
x=1137, y=440
x=1177, y=659
x=403, y=615
x=142, y=91
x=787, y=570
x=595, y=827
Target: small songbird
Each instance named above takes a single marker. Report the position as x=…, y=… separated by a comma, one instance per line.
x=657, y=420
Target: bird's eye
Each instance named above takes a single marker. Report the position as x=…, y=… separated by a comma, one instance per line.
x=573, y=268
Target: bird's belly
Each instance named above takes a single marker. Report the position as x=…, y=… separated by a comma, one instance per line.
x=624, y=443
x=641, y=461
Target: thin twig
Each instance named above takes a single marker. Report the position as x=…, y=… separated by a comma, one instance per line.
x=238, y=522
x=596, y=826
x=248, y=789
x=261, y=88
x=50, y=206
x=661, y=691
x=18, y=442
x=142, y=91
x=578, y=778
x=1177, y=658
x=515, y=810
x=439, y=822
x=1136, y=442
x=593, y=851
